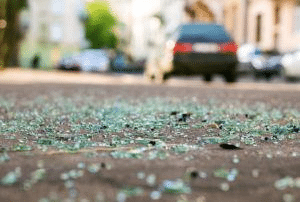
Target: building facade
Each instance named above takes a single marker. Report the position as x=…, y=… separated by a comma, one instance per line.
x=146, y=23
x=272, y=25
x=204, y=10
x=55, y=29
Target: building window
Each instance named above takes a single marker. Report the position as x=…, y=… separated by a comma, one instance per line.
x=58, y=7
x=56, y=33
x=297, y=16
x=258, y=28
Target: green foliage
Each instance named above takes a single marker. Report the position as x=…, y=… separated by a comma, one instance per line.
x=99, y=26
x=13, y=7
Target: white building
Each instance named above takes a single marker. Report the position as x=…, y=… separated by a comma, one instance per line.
x=55, y=29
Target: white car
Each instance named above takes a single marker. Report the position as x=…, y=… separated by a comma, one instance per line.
x=94, y=60
x=291, y=65
x=246, y=54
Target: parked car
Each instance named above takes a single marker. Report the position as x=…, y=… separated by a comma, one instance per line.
x=267, y=66
x=246, y=54
x=195, y=49
x=69, y=64
x=87, y=60
x=123, y=63
x=291, y=65
x=94, y=60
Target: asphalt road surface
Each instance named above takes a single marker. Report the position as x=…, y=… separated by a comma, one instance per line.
x=114, y=137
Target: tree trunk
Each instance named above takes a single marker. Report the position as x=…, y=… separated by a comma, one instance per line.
x=11, y=35
x=2, y=31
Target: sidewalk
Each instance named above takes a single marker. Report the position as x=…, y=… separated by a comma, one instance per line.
x=26, y=76
x=18, y=76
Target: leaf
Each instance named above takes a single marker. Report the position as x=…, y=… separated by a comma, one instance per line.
x=229, y=147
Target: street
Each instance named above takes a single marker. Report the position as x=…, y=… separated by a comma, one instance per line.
x=27, y=76
x=92, y=107
x=116, y=137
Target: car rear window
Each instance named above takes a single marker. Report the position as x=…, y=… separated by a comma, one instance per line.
x=210, y=33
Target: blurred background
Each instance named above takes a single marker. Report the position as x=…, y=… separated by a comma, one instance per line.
x=119, y=35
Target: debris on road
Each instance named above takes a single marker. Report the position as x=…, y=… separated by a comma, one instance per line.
x=154, y=148
x=229, y=147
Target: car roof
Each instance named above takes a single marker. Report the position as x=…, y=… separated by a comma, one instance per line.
x=201, y=24
x=203, y=32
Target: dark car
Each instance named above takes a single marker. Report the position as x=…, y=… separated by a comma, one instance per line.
x=199, y=49
x=125, y=64
x=89, y=60
x=69, y=64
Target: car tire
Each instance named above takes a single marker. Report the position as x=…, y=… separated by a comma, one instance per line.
x=62, y=67
x=166, y=76
x=290, y=79
x=75, y=69
x=208, y=77
x=268, y=76
x=256, y=76
x=230, y=77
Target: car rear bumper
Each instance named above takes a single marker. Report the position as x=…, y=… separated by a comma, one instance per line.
x=194, y=63
x=268, y=70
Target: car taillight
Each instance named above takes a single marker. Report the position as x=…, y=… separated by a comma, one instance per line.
x=183, y=47
x=230, y=47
